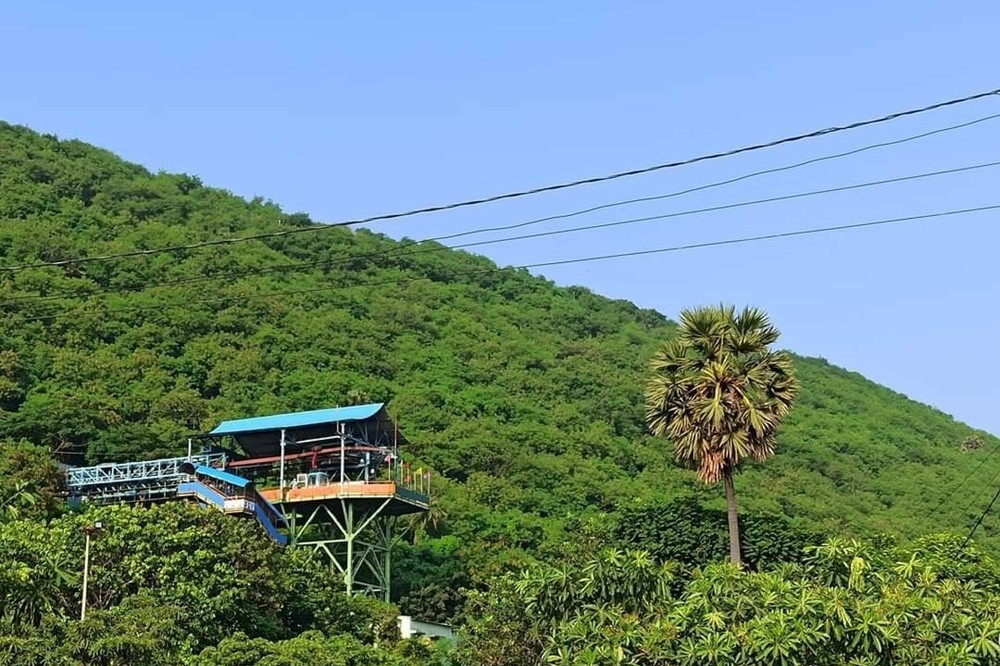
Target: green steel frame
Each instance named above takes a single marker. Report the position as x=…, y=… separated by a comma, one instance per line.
x=357, y=541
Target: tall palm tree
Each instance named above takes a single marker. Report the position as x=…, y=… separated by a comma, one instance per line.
x=719, y=393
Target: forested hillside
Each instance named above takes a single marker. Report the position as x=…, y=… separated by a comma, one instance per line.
x=524, y=398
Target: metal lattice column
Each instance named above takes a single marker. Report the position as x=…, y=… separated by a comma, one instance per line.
x=357, y=544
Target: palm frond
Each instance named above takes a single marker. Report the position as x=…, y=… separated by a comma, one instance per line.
x=718, y=391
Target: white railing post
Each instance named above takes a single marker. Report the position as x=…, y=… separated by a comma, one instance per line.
x=340, y=429
x=281, y=473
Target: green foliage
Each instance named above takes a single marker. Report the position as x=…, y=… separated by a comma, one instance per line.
x=848, y=603
x=429, y=577
x=312, y=648
x=719, y=392
x=166, y=582
x=525, y=399
x=499, y=631
x=31, y=483
x=138, y=631
x=691, y=534
x=141, y=632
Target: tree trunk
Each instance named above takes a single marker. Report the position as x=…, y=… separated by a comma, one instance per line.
x=734, y=521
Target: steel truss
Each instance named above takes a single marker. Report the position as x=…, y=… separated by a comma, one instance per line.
x=150, y=479
x=357, y=542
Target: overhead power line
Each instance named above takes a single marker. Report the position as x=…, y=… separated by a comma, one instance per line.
x=774, y=236
x=730, y=206
x=720, y=183
x=559, y=262
x=987, y=487
x=519, y=193
x=982, y=516
x=961, y=484
x=232, y=275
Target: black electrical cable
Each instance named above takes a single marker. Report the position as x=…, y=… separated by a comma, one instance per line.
x=560, y=262
x=982, y=516
x=556, y=232
x=519, y=193
x=729, y=181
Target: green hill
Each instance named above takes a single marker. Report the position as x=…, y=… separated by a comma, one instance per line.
x=525, y=398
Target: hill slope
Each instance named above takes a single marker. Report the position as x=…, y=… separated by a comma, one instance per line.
x=524, y=396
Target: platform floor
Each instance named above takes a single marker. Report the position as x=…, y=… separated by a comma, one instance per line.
x=402, y=500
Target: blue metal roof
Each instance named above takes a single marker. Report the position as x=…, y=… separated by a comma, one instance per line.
x=225, y=477
x=298, y=419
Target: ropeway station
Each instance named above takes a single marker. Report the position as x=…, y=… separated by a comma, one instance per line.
x=332, y=480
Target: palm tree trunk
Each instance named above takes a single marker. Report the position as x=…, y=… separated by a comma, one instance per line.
x=734, y=521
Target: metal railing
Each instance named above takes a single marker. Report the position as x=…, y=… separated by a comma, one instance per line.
x=416, y=480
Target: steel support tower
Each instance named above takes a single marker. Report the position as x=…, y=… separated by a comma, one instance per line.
x=338, y=477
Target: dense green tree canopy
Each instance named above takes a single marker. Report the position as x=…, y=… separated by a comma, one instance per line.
x=523, y=397
x=528, y=395
x=31, y=483
x=685, y=531
x=849, y=603
x=167, y=583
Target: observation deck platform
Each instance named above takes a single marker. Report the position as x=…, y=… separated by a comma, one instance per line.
x=338, y=477
x=394, y=499
x=330, y=479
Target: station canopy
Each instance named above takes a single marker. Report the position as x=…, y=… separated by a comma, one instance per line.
x=361, y=424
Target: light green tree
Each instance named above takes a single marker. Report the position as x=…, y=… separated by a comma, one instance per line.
x=849, y=603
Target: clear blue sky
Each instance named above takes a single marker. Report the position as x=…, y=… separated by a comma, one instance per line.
x=347, y=109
